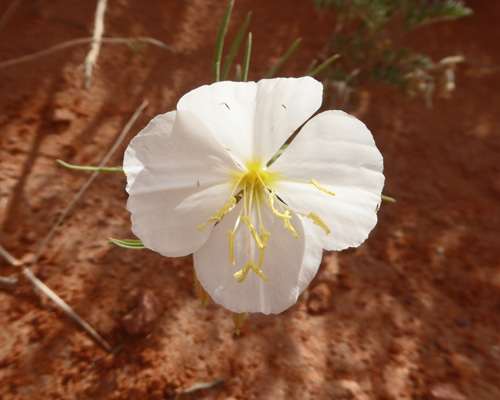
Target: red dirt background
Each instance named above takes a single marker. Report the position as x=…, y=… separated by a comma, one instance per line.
x=414, y=313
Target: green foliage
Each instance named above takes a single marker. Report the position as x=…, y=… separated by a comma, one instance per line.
x=132, y=244
x=241, y=73
x=377, y=14
x=367, y=33
x=87, y=168
x=283, y=59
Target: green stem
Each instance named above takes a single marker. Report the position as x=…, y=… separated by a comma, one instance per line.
x=388, y=199
x=133, y=244
x=85, y=168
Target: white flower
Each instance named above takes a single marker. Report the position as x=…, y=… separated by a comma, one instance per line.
x=199, y=182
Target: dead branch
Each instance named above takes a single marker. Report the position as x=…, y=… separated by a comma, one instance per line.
x=75, y=42
x=32, y=277
x=95, y=47
x=55, y=298
x=89, y=181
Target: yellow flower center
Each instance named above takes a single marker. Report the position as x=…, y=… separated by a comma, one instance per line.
x=255, y=186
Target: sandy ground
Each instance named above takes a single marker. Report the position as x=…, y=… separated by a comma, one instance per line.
x=414, y=313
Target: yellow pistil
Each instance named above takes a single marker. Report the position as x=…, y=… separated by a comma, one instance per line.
x=251, y=185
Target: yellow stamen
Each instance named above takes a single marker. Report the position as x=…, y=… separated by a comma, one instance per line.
x=264, y=237
x=313, y=181
x=253, y=231
x=260, y=273
x=250, y=184
x=231, y=245
x=276, y=212
x=220, y=213
x=317, y=221
x=241, y=275
x=289, y=226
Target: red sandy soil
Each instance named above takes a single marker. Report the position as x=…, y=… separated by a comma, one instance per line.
x=414, y=313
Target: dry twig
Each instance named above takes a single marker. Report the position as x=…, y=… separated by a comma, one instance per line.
x=75, y=42
x=95, y=47
x=55, y=298
x=11, y=260
x=200, y=386
x=31, y=276
x=89, y=181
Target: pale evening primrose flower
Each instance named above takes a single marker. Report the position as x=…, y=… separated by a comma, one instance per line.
x=200, y=182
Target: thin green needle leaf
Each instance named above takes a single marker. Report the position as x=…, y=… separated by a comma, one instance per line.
x=388, y=199
x=246, y=60
x=133, y=244
x=281, y=61
x=85, y=168
x=323, y=65
x=311, y=67
x=220, y=41
x=278, y=154
x=235, y=47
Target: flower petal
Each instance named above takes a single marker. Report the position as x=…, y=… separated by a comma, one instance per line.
x=283, y=105
x=254, y=119
x=338, y=151
x=176, y=178
x=227, y=109
x=167, y=221
x=289, y=263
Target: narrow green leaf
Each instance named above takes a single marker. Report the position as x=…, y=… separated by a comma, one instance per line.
x=246, y=59
x=133, y=244
x=278, y=154
x=282, y=60
x=85, y=168
x=235, y=47
x=311, y=67
x=388, y=199
x=323, y=65
x=220, y=41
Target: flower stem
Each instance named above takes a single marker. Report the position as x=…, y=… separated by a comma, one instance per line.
x=388, y=199
x=86, y=168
